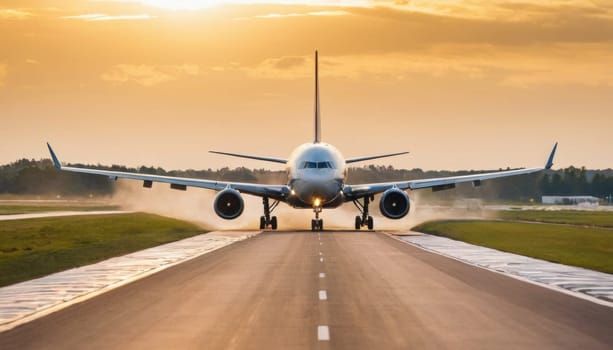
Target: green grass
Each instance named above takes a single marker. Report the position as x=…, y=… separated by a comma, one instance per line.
x=37, y=247
x=28, y=209
x=591, y=248
x=572, y=217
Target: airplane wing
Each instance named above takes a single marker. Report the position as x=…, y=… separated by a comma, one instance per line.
x=267, y=159
x=353, y=192
x=276, y=192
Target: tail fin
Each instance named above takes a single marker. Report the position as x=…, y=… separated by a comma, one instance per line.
x=317, y=114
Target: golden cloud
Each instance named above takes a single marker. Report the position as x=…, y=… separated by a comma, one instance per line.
x=92, y=17
x=148, y=75
x=507, y=66
x=297, y=14
x=14, y=14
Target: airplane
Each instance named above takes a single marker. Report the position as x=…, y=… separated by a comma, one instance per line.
x=317, y=174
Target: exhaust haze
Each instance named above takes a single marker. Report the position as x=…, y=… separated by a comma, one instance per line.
x=196, y=205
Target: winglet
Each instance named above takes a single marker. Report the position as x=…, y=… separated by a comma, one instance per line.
x=550, y=160
x=56, y=161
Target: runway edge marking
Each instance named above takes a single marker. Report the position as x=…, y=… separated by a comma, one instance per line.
x=69, y=301
x=556, y=288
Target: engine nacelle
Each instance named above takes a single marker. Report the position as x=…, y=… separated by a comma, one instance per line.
x=394, y=203
x=229, y=204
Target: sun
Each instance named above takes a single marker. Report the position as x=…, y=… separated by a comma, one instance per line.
x=183, y=4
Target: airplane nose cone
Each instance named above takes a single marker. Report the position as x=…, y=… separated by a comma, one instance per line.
x=324, y=191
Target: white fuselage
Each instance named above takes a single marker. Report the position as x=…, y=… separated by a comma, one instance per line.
x=316, y=176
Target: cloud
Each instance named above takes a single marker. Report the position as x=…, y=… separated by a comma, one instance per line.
x=505, y=66
x=500, y=10
x=14, y=14
x=3, y=70
x=204, y=4
x=297, y=14
x=91, y=17
x=148, y=75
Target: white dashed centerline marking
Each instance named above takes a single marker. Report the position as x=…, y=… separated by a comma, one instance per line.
x=323, y=333
x=322, y=275
x=321, y=259
x=323, y=295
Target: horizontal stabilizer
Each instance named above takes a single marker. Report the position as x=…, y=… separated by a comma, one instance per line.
x=359, y=159
x=267, y=159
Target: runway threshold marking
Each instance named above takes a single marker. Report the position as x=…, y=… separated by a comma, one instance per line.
x=323, y=333
x=323, y=295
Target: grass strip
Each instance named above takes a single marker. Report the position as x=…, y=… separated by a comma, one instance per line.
x=28, y=209
x=571, y=217
x=38, y=247
x=591, y=248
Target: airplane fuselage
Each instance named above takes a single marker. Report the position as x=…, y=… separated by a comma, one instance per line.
x=316, y=176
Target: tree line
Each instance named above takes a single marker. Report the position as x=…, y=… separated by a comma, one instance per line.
x=40, y=177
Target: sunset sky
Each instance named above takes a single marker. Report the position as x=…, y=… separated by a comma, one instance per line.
x=459, y=84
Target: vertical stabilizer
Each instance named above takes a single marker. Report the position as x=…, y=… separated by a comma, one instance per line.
x=317, y=115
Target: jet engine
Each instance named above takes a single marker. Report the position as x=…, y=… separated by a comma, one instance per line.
x=229, y=204
x=394, y=203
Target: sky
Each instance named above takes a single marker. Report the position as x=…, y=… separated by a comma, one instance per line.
x=460, y=84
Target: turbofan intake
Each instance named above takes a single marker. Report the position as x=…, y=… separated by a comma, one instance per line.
x=394, y=203
x=229, y=204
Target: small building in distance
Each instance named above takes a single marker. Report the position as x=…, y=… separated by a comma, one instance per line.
x=570, y=200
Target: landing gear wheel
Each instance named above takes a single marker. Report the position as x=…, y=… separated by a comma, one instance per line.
x=317, y=225
x=364, y=219
x=273, y=222
x=267, y=220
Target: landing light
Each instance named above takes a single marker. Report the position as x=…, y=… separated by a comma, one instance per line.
x=317, y=202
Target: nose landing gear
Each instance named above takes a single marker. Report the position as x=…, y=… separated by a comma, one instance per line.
x=266, y=220
x=365, y=219
x=317, y=224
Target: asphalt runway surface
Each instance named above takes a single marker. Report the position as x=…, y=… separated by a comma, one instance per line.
x=337, y=290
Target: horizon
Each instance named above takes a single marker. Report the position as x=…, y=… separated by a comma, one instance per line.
x=365, y=165
x=457, y=84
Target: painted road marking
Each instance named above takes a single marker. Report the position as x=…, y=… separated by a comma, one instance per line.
x=320, y=253
x=321, y=259
x=323, y=295
x=590, y=285
x=322, y=275
x=323, y=333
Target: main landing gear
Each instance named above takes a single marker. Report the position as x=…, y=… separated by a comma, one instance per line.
x=365, y=219
x=266, y=220
x=317, y=224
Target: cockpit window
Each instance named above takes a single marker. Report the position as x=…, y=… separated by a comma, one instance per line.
x=308, y=165
x=316, y=165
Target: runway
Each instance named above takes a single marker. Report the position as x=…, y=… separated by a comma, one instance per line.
x=353, y=290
